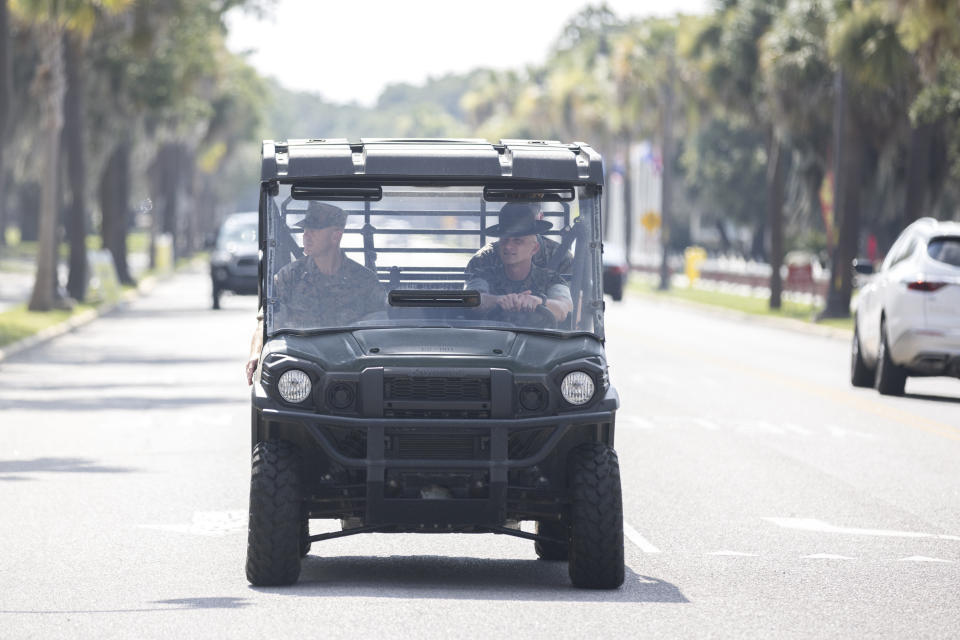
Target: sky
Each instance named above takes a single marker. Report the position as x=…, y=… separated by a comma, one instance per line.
x=348, y=51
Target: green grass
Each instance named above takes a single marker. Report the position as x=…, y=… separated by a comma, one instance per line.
x=19, y=323
x=17, y=249
x=745, y=304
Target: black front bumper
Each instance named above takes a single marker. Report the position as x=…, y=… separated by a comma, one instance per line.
x=500, y=500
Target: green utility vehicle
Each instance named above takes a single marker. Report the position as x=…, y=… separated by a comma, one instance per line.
x=407, y=385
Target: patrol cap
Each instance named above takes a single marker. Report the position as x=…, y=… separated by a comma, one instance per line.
x=321, y=215
x=517, y=219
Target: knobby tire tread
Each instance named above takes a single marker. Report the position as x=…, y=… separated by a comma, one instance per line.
x=596, y=518
x=274, y=534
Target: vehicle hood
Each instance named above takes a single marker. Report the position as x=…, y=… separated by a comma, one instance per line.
x=436, y=347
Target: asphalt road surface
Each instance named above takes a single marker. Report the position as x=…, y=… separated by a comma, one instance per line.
x=763, y=496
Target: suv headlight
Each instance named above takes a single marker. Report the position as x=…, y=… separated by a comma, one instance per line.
x=294, y=386
x=577, y=387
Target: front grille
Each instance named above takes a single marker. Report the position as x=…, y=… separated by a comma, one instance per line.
x=247, y=262
x=453, y=414
x=524, y=443
x=430, y=446
x=436, y=388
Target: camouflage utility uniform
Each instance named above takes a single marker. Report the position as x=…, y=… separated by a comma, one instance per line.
x=540, y=282
x=309, y=298
x=489, y=257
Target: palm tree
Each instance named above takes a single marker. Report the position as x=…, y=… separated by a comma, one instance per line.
x=51, y=19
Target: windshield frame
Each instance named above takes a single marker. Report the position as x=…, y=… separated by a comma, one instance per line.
x=587, y=192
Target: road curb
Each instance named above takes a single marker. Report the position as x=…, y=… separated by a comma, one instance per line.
x=789, y=324
x=144, y=287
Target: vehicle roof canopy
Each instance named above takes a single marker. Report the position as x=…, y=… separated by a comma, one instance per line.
x=447, y=159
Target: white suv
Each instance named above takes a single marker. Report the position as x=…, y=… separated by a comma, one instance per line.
x=907, y=320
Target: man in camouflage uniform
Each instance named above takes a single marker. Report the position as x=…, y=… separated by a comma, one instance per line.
x=512, y=287
x=488, y=256
x=324, y=288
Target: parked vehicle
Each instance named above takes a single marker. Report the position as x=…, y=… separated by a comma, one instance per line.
x=615, y=271
x=427, y=416
x=907, y=318
x=234, y=257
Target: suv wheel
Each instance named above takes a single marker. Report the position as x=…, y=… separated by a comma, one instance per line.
x=596, y=517
x=274, y=535
x=551, y=550
x=860, y=374
x=305, y=538
x=891, y=379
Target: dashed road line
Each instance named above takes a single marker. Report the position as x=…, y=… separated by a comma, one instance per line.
x=924, y=559
x=812, y=524
x=634, y=536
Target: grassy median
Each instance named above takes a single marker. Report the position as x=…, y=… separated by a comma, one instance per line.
x=19, y=323
x=745, y=304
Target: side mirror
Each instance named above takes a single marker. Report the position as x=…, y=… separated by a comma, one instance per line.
x=863, y=267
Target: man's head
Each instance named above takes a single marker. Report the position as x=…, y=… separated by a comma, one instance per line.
x=322, y=228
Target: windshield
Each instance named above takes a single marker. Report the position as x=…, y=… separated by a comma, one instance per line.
x=433, y=256
x=238, y=232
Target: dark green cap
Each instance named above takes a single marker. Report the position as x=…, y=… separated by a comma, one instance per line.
x=321, y=215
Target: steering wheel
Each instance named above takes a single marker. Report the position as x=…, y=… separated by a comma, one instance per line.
x=539, y=318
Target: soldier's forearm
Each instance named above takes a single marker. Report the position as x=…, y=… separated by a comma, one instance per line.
x=558, y=308
x=487, y=301
x=256, y=342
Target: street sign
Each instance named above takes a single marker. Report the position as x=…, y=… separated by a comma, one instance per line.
x=650, y=221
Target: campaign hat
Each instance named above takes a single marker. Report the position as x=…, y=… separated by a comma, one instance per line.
x=516, y=220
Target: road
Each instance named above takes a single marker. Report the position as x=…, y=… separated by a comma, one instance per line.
x=763, y=496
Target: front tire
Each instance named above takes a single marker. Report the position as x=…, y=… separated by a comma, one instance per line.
x=274, y=534
x=860, y=374
x=596, y=517
x=891, y=378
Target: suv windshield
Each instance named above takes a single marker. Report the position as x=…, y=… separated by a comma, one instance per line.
x=433, y=256
x=238, y=231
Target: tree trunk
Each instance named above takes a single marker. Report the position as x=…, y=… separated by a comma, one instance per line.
x=666, y=202
x=918, y=173
x=6, y=91
x=48, y=87
x=76, y=168
x=847, y=213
x=114, y=192
x=775, y=180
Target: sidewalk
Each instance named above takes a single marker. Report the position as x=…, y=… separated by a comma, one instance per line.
x=16, y=277
x=138, y=264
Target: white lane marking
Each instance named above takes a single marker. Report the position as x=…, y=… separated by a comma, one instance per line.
x=639, y=423
x=706, y=424
x=634, y=536
x=207, y=523
x=812, y=524
x=797, y=429
x=924, y=559
x=827, y=556
x=732, y=553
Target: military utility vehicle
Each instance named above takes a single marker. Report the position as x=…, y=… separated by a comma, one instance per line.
x=435, y=412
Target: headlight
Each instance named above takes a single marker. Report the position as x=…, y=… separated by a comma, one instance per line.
x=577, y=387
x=294, y=386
